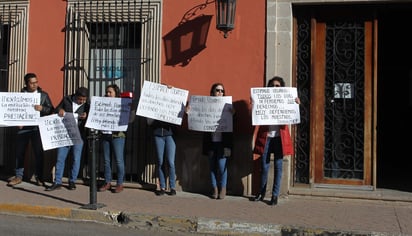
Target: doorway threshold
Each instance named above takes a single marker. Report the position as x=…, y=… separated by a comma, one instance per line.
x=350, y=187
x=352, y=193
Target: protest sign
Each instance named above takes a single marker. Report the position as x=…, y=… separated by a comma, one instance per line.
x=274, y=106
x=17, y=109
x=109, y=113
x=56, y=131
x=159, y=102
x=210, y=113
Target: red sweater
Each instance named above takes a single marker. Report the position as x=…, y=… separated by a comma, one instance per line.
x=261, y=137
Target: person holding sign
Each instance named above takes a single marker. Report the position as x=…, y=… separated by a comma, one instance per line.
x=272, y=139
x=217, y=146
x=78, y=105
x=113, y=141
x=165, y=148
x=31, y=133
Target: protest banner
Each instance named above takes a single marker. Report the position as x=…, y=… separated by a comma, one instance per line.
x=210, y=113
x=274, y=106
x=109, y=113
x=56, y=131
x=17, y=109
x=159, y=102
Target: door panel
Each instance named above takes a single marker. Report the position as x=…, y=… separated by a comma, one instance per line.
x=341, y=117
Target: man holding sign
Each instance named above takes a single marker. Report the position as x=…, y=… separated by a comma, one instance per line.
x=77, y=104
x=274, y=138
x=31, y=133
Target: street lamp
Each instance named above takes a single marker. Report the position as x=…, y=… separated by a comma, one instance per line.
x=225, y=15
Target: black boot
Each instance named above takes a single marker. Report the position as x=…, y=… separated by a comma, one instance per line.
x=273, y=201
x=259, y=197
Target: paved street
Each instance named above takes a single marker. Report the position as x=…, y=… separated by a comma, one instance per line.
x=304, y=212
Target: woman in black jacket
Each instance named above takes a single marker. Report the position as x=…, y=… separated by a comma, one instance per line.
x=217, y=146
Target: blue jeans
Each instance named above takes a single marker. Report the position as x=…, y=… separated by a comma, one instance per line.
x=218, y=166
x=117, y=145
x=62, y=153
x=273, y=145
x=22, y=140
x=166, y=147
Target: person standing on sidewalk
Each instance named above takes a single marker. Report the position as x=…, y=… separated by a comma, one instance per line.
x=272, y=139
x=165, y=148
x=113, y=141
x=31, y=133
x=217, y=146
x=78, y=104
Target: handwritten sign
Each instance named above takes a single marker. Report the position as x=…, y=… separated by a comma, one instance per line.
x=56, y=131
x=109, y=113
x=159, y=102
x=274, y=106
x=210, y=113
x=18, y=109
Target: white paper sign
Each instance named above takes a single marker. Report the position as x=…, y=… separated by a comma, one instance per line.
x=18, y=109
x=159, y=102
x=109, y=113
x=210, y=113
x=274, y=106
x=56, y=131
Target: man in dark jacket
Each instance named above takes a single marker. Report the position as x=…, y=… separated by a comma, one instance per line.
x=31, y=133
x=77, y=104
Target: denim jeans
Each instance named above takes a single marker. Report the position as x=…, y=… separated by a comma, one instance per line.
x=117, y=145
x=166, y=147
x=22, y=139
x=273, y=145
x=62, y=153
x=218, y=166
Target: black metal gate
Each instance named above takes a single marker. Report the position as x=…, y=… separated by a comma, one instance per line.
x=111, y=42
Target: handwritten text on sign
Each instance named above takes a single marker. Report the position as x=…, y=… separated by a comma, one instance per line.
x=274, y=106
x=210, y=113
x=159, y=102
x=109, y=113
x=56, y=131
x=18, y=109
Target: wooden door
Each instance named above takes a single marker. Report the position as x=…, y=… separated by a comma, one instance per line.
x=342, y=100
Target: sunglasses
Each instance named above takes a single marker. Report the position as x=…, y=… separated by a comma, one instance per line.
x=219, y=90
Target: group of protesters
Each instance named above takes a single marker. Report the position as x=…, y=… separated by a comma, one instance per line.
x=217, y=145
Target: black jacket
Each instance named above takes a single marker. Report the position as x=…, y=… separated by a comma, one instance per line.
x=227, y=140
x=67, y=105
x=45, y=102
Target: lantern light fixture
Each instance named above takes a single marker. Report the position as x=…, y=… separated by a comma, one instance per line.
x=225, y=15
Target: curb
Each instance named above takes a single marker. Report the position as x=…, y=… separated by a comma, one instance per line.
x=172, y=223
x=58, y=212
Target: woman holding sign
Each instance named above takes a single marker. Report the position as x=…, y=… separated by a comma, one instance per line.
x=113, y=141
x=166, y=151
x=218, y=146
x=272, y=139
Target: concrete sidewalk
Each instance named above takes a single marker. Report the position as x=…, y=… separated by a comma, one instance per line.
x=304, y=212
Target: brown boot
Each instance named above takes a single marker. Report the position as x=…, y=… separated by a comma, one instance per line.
x=118, y=188
x=106, y=186
x=14, y=181
x=222, y=193
x=215, y=192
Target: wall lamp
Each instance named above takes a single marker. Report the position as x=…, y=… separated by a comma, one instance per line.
x=225, y=15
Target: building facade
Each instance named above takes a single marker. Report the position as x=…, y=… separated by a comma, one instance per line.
x=346, y=58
